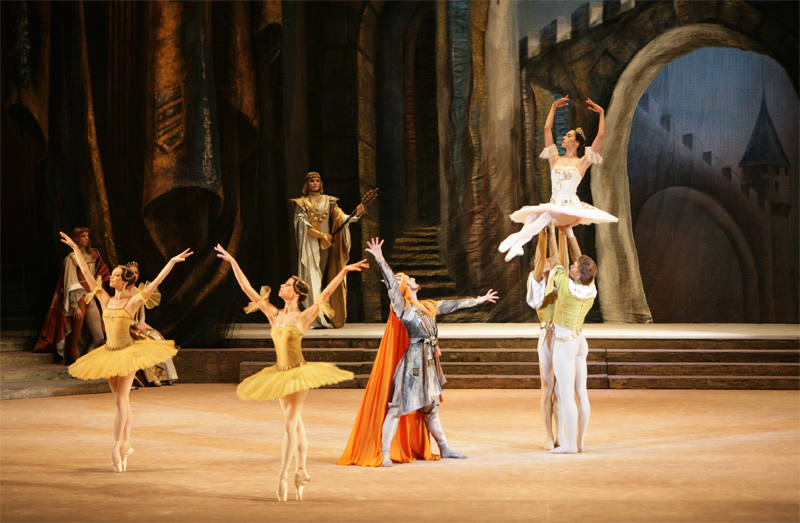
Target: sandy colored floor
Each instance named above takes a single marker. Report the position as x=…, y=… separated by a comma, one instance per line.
x=203, y=455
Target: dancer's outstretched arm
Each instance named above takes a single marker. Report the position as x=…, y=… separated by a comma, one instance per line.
x=308, y=315
x=327, y=291
x=555, y=259
x=396, y=298
x=548, y=127
x=139, y=298
x=601, y=126
x=265, y=306
x=150, y=289
x=575, y=249
x=548, y=124
x=102, y=295
x=541, y=256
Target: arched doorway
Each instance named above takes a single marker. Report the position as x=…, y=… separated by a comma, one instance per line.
x=616, y=248
x=407, y=146
x=695, y=263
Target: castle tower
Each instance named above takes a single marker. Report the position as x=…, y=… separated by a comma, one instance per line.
x=766, y=167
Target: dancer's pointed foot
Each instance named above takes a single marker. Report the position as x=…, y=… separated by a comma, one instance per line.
x=301, y=477
x=508, y=242
x=283, y=486
x=563, y=449
x=514, y=251
x=387, y=460
x=125, y=450
x=447, y=452
x=116, y=460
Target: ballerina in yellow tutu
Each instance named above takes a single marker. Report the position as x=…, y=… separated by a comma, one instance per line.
x=290, y=379
x=121, y=356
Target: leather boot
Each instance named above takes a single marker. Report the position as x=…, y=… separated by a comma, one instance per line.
x=435, y=428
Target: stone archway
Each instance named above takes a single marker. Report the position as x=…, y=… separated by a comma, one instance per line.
x=616, y=249
x=708, y=271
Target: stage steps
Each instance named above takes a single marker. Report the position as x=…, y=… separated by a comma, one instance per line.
x=416, y=253
x=25, y=374
x=758, y=367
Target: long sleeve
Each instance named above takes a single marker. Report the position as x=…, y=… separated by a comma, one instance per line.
x=395, y=296
x=574, y=247
x=536, y=288
x=448, y=306
x=541, y=256
x=554, y=257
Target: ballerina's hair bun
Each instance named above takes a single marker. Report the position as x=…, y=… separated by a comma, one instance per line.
x=301, y=288
x=128, y=276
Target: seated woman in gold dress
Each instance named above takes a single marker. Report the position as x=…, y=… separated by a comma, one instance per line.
x=121, y=356
x=290, y=379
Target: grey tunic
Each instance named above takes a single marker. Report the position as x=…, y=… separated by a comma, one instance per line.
x=418, y=378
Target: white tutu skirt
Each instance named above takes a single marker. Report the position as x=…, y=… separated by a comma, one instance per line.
x=564, y=214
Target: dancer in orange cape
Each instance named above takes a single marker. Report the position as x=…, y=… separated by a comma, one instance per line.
x=417, y=378
x=413, y=440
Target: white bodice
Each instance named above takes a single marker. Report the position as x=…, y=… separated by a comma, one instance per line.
x=564, y=181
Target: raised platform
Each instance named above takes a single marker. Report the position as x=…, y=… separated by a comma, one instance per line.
x=738, y=356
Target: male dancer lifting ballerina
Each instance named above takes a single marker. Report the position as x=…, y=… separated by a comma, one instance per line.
x=575, y=293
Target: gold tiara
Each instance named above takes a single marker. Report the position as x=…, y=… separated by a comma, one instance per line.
x=580, y=132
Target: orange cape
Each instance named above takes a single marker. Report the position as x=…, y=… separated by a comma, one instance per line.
x=411, y=441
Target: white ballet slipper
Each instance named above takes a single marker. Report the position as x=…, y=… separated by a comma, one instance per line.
x=514, y=251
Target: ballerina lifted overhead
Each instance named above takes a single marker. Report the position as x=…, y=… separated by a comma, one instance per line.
x=566, y=173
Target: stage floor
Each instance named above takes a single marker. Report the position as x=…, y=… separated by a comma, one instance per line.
x=203, y=455
x=655, y=331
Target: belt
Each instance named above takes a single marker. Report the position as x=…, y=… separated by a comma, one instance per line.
x=290, y=367
x=118, y=348
x=547, y=325
x=570, y=337
x=430, y=341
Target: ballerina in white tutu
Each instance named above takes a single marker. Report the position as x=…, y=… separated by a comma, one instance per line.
x=566, y=173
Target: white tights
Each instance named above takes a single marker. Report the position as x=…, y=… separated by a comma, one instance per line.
x=548, y=382
x=514, y=242
x=295, y=442
x=569, y=364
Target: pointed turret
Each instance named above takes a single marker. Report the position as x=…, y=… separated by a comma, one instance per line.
x=766, y=167
x=765, y=145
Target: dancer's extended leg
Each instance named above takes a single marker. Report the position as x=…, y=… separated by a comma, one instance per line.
x=121, y=387
x=581, y=372
x=388, y=431
x=547, y=381
x=514, y=242
x=564, y=354
x=292, y=406
x=435, y=428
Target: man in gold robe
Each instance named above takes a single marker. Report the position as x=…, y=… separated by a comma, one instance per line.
x=320, y=255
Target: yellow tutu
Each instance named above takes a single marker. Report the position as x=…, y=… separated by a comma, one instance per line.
x=121, y=355
x=271, y=383
x=105, y=363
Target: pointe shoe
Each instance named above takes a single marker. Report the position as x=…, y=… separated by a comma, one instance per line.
x=508, y=242
x=125, y=450
x=116, y=463
x=283, y=488
x=514, y=251
x=301, y=477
